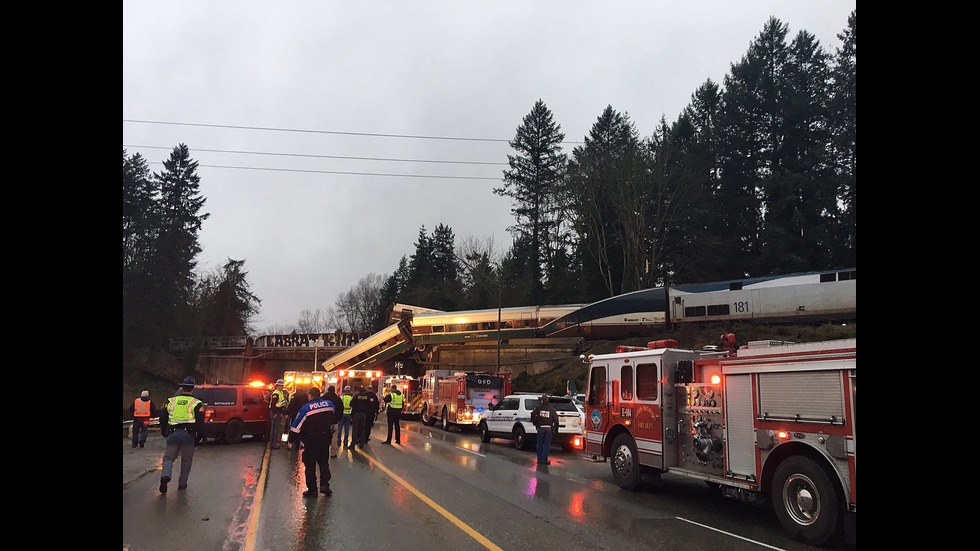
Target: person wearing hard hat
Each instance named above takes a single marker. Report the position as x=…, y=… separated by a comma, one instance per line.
x=181, y=420
x=277, y=406
x=142, y=409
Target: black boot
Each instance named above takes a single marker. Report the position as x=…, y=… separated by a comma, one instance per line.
x=325, y=489
x=310, y=493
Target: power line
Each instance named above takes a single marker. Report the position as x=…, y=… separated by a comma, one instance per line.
x=349, y=173
x=320, y=156
x=378, y=135
x=319, y=131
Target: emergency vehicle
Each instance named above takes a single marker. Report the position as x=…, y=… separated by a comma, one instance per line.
x=303, y=380
x=769, y=422
x=354, y=378
x=411, y=389
x=460, y=397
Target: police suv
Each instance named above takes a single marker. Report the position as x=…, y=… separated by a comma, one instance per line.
x=511, y=419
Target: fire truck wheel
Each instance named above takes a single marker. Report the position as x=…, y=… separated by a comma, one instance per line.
x=521, y=440
x=806, y=501
x=484, y=432
x=624, y=462
x=427, y=419
x=234, y=431
x=445, y=419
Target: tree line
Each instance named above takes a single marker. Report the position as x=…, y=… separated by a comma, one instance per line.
x=756, y=176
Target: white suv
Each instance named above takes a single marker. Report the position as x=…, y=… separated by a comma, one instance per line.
x=511, y=419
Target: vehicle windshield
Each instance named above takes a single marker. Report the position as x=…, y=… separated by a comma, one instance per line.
x=560, y=404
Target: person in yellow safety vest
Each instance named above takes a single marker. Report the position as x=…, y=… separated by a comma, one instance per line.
x=142, y=409
x=384, y=397
x=278, y=403
x=395, y=401
x=345, y=417
x=181, y=420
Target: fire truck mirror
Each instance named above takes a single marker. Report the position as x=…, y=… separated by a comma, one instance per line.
x=685, y=371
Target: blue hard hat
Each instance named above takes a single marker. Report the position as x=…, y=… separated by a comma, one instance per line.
x=188, y=381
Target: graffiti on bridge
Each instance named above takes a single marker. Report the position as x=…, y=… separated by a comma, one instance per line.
x=310, y=339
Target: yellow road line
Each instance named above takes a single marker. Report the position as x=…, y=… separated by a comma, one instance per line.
x=253, y=516
x=452, y=518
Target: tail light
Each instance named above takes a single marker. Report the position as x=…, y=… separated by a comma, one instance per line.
x=208, y=415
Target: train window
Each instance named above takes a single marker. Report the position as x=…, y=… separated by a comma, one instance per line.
x=694, y=311
x=718, y=310
x=626, y=383
x=438, y=329
x=488, y=325
x=597, y=386
x=472, y=327
x=824, y=278
x=735, y=286
x=844, y=276
x=647, y=381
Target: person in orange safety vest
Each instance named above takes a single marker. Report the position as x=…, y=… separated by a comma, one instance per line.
x=142, y=409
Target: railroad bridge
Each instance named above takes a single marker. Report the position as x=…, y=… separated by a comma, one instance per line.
x=242, y=359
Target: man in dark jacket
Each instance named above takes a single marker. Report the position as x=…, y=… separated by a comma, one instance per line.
x=372, y=412
x=338, y=404
x=313, y=424
x=360, y=409
x=545, y=418
x=296, y=401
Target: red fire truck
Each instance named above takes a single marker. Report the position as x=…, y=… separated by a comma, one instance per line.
x=770, y=422
x=460, y=397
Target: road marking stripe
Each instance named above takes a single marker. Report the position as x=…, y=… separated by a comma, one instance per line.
x=253, y=517
x=462, y=526
x=730, y=534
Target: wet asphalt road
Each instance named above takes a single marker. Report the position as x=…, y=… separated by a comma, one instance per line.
x=438, y=490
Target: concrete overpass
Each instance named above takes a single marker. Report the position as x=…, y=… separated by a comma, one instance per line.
x=242, y=359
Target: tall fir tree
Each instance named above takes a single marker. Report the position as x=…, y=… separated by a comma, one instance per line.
x=533, y=180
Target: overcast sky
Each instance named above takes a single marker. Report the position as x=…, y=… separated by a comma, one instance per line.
x=329, y=133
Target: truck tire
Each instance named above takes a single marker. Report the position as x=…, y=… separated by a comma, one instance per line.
x=624, y=462
x=426, y=416
x=234, y=431
x=445, y=419
x=484, y=432
x=521, y=441
x=806, y=501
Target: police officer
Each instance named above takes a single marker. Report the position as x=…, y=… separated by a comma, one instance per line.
x=394, y=401
x=545, y=418
x=181, y=420
x=142, y=409
x=277, y=406
x=313, y=424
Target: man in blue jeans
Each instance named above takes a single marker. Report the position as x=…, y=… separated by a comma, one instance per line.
x=545, y=418
x=277, y=407
x=344, y=425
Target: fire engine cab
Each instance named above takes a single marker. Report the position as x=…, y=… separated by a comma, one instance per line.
x=460, y=397
x=771, y=421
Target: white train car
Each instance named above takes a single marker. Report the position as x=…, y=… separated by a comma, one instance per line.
x=800, y=297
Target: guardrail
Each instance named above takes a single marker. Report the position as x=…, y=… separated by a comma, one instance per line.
x=128, y=426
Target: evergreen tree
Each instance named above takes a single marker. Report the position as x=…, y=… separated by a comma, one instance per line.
x=603, y=175
x=843, y=128
x=536, y=172
x=177, y=242
x=140, y=227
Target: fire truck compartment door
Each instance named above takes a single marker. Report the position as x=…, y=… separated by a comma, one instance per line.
x=740, y=426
